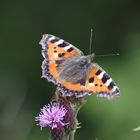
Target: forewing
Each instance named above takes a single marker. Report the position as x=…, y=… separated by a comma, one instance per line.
x=101, y=83
x=55, y=51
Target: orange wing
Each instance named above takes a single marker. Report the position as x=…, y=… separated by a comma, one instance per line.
x=97, y=81
x=55, y=51
x=100, y=82
x=70, y=89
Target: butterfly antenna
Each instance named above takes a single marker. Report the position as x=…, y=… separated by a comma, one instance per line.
x=91, y=38
x=116, y=54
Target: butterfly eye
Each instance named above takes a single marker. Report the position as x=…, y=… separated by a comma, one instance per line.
x=84, y=62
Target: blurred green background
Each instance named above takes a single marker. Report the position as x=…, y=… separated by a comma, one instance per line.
x=116, y=27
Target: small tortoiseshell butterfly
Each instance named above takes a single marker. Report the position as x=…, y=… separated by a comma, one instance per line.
x=72, y=72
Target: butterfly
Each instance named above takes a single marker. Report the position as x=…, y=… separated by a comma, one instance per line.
x=73, y=72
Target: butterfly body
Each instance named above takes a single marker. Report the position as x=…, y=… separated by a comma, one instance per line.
x=72, y=72
x=75, y=69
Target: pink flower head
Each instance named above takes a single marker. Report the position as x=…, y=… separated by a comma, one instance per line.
x=52, y=116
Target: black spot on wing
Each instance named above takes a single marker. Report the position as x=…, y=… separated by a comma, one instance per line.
x=117, y=90
x=98, y=72
x=91, y=80
x=111, y=85
x=64, y=44
x=55, y=40
x=105, y=78
x=49, y=36
x=82, y=82
x=61, y=54
x=70, y=49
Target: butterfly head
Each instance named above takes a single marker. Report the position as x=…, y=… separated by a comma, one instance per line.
x=85, y=61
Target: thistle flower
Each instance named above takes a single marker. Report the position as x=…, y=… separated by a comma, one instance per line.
x=60, y=116
x=52, y=116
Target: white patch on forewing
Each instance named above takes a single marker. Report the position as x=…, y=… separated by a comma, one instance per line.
x=59, y=42
x=67, y=47
x=108, y=82
x=100, y=76
x=51, y=38
x=114, y=88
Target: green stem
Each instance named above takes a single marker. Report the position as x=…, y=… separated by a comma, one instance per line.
x=78, y=106
x=72, y=134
